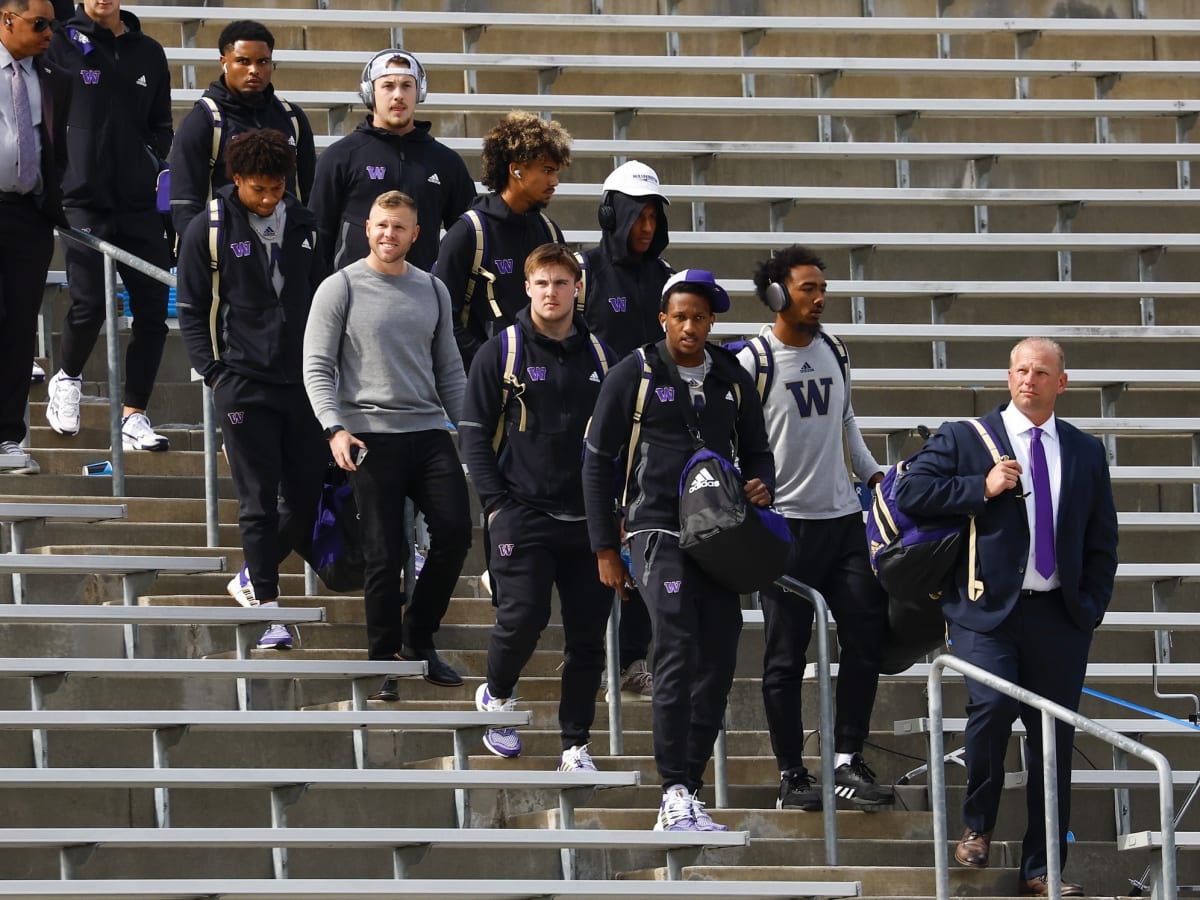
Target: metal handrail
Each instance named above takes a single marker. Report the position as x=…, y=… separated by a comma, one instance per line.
x=1050, y=711
x=113, y=255
x=720, y=750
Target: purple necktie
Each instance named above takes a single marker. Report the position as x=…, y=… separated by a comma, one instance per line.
x=27, y=161
x=1043, y=508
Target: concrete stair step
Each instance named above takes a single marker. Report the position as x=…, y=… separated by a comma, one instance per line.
x=58, y=461
x=875, y=879
x=181, y=436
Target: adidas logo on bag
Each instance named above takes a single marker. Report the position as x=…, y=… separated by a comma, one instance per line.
x=703, y=479
x=594, y=377
x=433, y=179
x=141, y=82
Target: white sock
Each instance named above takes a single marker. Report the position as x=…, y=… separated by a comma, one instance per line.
x=676, y=787
x=840, y=759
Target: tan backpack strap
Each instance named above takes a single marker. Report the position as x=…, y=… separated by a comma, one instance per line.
x=214, y=237
x=639, y=405
x=218, y=124
x=477, y=268
x=509, y=385
x=975, y=586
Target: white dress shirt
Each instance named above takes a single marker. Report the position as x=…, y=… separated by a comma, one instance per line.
x=1020, y=436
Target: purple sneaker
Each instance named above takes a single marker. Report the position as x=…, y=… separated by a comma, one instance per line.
x=504, y=742
x=677, y=812
x=276, y=637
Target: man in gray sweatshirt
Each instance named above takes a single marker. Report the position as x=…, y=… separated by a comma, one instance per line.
x=383, y=373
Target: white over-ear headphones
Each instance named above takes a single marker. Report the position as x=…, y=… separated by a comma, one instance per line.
x=366, y=86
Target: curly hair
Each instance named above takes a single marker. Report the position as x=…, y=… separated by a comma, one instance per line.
x=244, y=30
x=260, y=151
x=780, y=264
x=522, y=137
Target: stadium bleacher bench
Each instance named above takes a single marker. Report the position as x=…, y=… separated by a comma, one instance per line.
x=920, y=725
x=286, y=786
x=1096, y=672
x=428, y=889
x=931, y=377
x=47, y=675
x=22, y=518
x=248, y=620
x=665, y=24
x=730, y=64
x=409, y=845
x=1152, y=840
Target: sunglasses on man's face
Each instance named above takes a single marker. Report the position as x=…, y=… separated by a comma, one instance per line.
x=39, y=24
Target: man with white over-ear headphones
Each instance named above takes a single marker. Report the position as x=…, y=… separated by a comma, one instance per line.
x=241, y=99
x=390, y=150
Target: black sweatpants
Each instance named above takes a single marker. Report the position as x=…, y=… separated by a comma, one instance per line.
x=277, y=456
x=26, y=245
x=422, y=466
x=141, y=234
x=696, y=628
x=633, y=636
x=531, y=553
x=829, y=555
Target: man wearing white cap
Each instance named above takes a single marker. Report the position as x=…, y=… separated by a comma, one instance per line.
x=696, y=620
x=623, y=281
x=391, y=150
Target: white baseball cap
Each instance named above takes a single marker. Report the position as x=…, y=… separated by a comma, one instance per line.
x=635, y=179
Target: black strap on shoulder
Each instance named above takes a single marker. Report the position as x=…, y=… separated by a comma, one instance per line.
x=690, y=417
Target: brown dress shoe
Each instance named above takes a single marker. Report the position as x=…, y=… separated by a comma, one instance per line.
x=973, y=848
x=1037, y=887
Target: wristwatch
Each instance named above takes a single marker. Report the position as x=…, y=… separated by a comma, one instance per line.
x=332, y=430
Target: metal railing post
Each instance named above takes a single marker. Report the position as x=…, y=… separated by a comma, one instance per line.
x=212, y=518
x=112, y=334
x=616, y=737
x=1165, y=885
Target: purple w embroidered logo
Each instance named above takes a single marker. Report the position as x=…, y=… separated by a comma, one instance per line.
x=240, y=249
x=237, y=418
x=376, y=173
x=505, y=549
x=536, y=373
x=665, y=394
x=504, y=266
x=672, y=586
x=617, y=303
x=90, y=76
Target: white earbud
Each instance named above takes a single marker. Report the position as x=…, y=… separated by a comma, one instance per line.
x=516, y=174
x=225, y=68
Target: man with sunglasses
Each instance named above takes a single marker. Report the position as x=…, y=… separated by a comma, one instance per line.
x=33, y=95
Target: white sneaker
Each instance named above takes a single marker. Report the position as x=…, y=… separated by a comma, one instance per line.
x=240, y=588
x=138, y=434
x=576, y=759
x=485, y=581
x=38, y=374
x=62, y=410
x=11, y=451
x=504, y=742
x=677, y=811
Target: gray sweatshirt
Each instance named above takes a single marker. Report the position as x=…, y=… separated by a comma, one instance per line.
x=381, y=356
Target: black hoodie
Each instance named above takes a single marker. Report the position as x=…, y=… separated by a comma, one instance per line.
x=119, y=121
x=254, y=331
x=193, y=180
x=509, y=238
x=539, y=466
x=371, y=161
x=624, y=289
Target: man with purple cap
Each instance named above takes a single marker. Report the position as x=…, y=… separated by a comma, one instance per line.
x=696, y=621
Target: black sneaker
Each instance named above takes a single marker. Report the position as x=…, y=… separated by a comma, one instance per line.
x=388, y=691
x=798, y=790
x=437, y=670
x=854, y=781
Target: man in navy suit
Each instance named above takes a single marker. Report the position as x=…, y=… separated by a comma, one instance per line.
x=1047, y=570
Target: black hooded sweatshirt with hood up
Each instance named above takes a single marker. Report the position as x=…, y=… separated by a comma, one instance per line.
x=623, y=289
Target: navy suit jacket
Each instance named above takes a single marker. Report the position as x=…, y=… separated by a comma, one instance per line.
x=947, y=477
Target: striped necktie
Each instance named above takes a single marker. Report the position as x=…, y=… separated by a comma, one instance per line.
x=27, y=161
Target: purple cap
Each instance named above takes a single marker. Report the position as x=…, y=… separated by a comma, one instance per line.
x=698, y=281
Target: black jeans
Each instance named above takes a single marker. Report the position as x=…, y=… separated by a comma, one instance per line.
x=423, y=466
x=696, y=629
x=531, y=553
x=277, y=456
x=26, y=244
x=142, y=234
x=829, y=555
